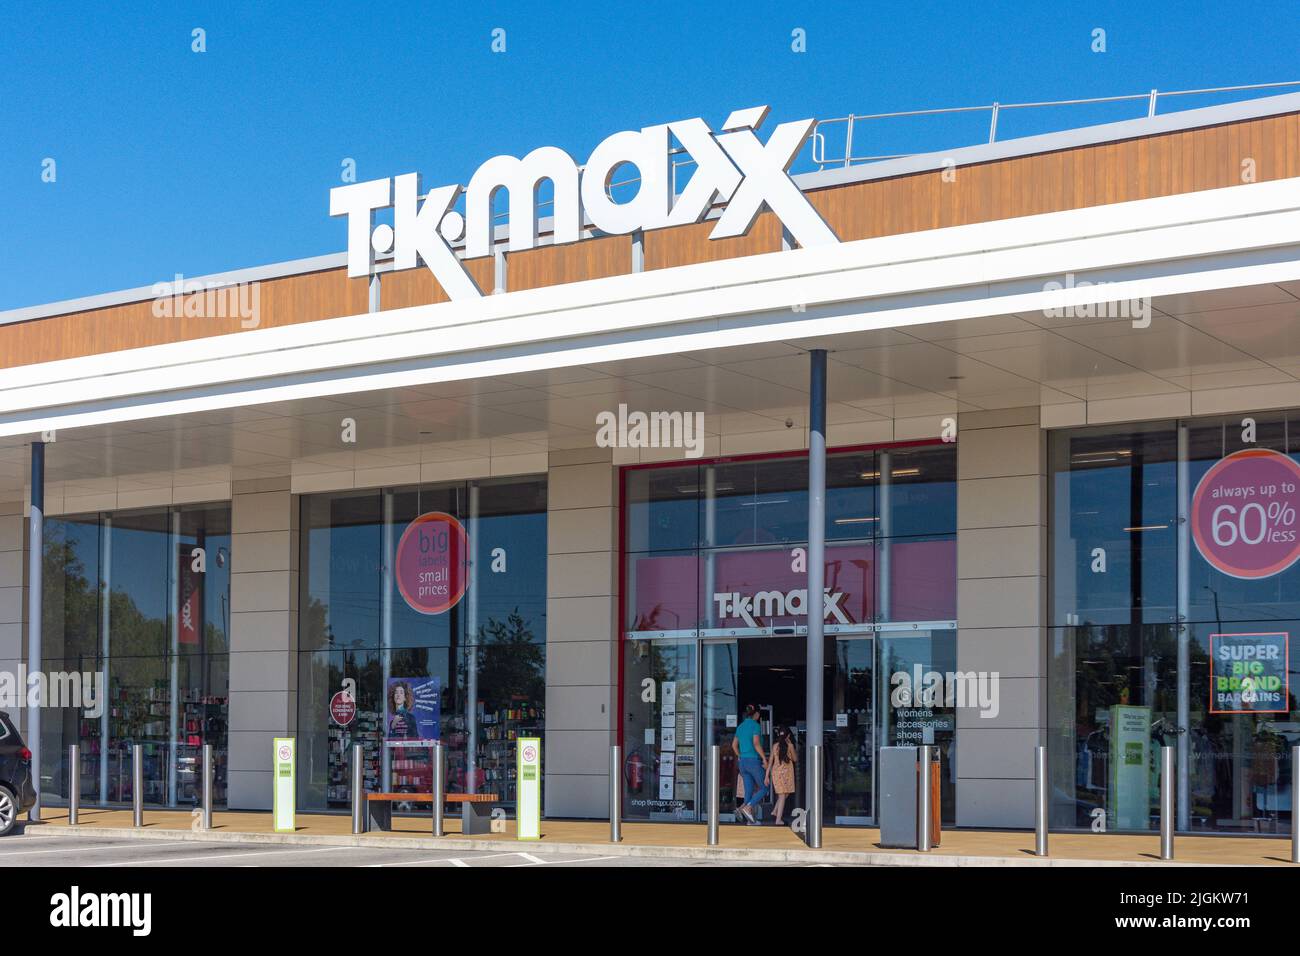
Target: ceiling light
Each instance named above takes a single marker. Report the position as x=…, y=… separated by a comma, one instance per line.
x=1097, y=455
x=893, y=473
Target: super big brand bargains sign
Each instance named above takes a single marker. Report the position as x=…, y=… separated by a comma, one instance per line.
x=1244, y=514
x=1250, y=673
x=732, y=166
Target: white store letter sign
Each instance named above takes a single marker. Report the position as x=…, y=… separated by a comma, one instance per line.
x=529, y=800
x=731, y=165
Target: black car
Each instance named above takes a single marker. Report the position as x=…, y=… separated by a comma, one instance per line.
x=17, y=793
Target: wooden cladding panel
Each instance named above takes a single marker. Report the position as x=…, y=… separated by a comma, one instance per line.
x=574, y=262
x=683, y=245
x=278, y=302
x=1180, y=162
x=1162, y=165
x=400, y=290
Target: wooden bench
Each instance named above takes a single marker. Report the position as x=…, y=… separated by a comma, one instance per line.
x=476, y=809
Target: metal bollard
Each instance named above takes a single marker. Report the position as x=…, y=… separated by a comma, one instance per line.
x=439, y=788
x=74, y=785
x=137, y=785
x=816, y=778
x=1167, y=803
x=1295, y=811
x=923, y=808
x=1040, y=801
x=209, y=776
x=715, y=792
x=615, y=794
x=358, y=791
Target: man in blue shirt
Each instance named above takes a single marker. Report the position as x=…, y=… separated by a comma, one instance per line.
x=747, y=745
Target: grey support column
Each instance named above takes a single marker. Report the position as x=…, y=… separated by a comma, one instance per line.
x=816, y=576
x=263, y=635
x=583, y=642
x=1001, y=612
x=35, y=552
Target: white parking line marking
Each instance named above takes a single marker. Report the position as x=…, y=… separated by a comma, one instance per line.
x=80, y=849
x=453, y=860
x=536, y=862
x=224, y=856
x=585, y=859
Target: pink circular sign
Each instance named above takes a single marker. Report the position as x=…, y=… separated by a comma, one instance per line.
x=1244, y=513
x=430, y=566
x=343, y=708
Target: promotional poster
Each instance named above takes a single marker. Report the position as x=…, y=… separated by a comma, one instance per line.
x=414, y=712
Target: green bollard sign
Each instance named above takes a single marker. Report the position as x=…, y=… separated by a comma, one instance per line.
x=282, y=784
x=528, y=800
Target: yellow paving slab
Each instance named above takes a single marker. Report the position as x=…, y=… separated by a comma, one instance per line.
x=1005, y=844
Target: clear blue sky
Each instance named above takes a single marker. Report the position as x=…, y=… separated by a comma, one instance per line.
x=174, y=161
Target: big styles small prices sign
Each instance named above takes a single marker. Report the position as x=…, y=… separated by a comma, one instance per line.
x=1243, y=514
x=431, y=565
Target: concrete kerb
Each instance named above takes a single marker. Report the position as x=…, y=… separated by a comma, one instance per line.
x=720, y=854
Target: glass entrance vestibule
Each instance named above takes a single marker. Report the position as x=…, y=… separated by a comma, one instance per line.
x=715, y=619
x=1175, y=592
x=138, y=603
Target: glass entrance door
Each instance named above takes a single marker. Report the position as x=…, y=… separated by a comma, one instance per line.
x=852, y=743
x=719, y=713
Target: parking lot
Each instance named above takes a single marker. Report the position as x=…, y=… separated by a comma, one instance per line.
x=96, y=852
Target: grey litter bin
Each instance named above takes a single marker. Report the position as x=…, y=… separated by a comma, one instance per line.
x=898, y=797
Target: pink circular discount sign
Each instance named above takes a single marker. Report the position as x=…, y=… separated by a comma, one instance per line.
x=431, y=562
x=1244, y=513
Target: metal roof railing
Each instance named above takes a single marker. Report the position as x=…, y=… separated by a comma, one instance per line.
x=850, y=122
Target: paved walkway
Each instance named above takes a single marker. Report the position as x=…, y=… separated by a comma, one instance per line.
x=737, y=843
x=90, y=850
